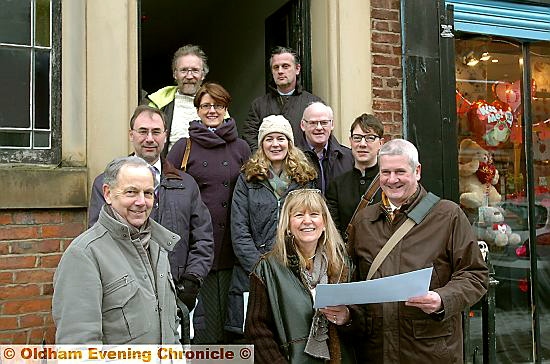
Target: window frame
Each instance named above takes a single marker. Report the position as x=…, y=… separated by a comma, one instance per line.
x=52, y=155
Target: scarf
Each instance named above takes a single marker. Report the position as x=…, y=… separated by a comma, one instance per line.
x=143, y=233
x=317, y=342
x=278, y=183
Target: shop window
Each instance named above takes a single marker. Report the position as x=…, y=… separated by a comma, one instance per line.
x=29, y=96
x=493, y=175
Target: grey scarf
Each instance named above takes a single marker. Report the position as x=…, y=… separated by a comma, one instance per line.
x=143, y=233
x=317, y=345
x=279, y=183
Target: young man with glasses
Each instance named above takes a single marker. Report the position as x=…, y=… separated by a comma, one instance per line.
x=285, y=97
x=177, y=206
x=329, y=157
x=189, y=69
x=345, y=192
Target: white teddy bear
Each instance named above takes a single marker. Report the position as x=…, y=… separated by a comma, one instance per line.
x=477, y=176
x=493, y=230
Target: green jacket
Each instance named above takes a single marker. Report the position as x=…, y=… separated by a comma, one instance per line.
x=103, y=293
x=291, y=305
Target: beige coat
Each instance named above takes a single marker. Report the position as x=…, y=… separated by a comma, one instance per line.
x=103, y=293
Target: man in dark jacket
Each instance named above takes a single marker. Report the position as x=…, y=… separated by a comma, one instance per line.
x=330, y=158
x=428, y=328
x=178, y=207
x=344, y=193
x=287, y=98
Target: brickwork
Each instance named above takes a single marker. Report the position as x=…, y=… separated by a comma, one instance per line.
x=31, y=244
x=386, y=65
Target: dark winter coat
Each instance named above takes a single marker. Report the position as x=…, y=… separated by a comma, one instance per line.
x=344, y=194
x=338, y=160
x=179, y=209
x=254, y=218
x=444, y=240
x=291, y=107
x=215, y=162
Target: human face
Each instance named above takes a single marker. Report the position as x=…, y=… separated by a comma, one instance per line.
x=189, y=74
x=211, y=117
x=307, y=227
x=398, y=180
x=275, y=146
x=148, y=146
x=365, y=153
x=316, y=134
x=284, y=71
x=133, y=195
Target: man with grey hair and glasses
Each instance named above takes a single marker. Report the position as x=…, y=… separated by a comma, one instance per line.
x=330, y=158
x=113, y=284
x=286, y=97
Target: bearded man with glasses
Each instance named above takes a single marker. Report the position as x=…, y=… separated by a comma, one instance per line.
x=329, y=157
x=345, y=192
x=189, y=69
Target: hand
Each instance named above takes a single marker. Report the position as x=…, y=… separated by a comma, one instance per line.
x=338, y=315
x=429, y=303
x=188, y=291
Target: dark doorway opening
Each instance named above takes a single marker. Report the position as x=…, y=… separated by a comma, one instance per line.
x=232, y=34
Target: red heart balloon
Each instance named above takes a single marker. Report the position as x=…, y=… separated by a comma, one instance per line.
x=509, y=93
x=486, y=172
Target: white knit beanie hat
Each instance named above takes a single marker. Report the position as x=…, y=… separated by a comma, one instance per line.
x=275, y=124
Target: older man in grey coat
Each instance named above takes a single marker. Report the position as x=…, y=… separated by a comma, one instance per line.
x=113, y=284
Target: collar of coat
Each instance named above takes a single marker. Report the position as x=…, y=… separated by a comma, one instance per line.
x=333, y=148
x=297, y=90
x=159, y=234
x=168, y=169
x=378, y=210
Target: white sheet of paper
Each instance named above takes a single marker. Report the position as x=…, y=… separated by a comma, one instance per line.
x=245, y=301
x=399, y=287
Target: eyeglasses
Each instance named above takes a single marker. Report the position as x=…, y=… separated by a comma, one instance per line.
x=300, y=191
x=145, y=132
x=313, y=123
x=194, y=71
x=356, y=138
x=209, y=106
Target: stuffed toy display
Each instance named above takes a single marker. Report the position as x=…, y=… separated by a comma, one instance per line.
x=477, y=176
x=492, y=229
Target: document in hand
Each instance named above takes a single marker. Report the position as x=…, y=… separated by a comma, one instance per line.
x=399, y=287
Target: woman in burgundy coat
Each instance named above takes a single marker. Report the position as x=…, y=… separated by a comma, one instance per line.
x=215, y=157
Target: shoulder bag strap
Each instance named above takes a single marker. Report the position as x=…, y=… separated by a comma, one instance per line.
x=366, y=199
x=186, y=155
x=414, y=217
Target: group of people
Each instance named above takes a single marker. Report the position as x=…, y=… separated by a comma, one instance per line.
x=242, y=231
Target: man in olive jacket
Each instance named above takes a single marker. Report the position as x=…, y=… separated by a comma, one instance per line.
x=113, y=283
x=428, y=328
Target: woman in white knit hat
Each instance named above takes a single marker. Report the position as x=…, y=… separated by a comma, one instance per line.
x=276, y=168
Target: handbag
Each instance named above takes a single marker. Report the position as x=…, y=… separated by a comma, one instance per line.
x=186, y=155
